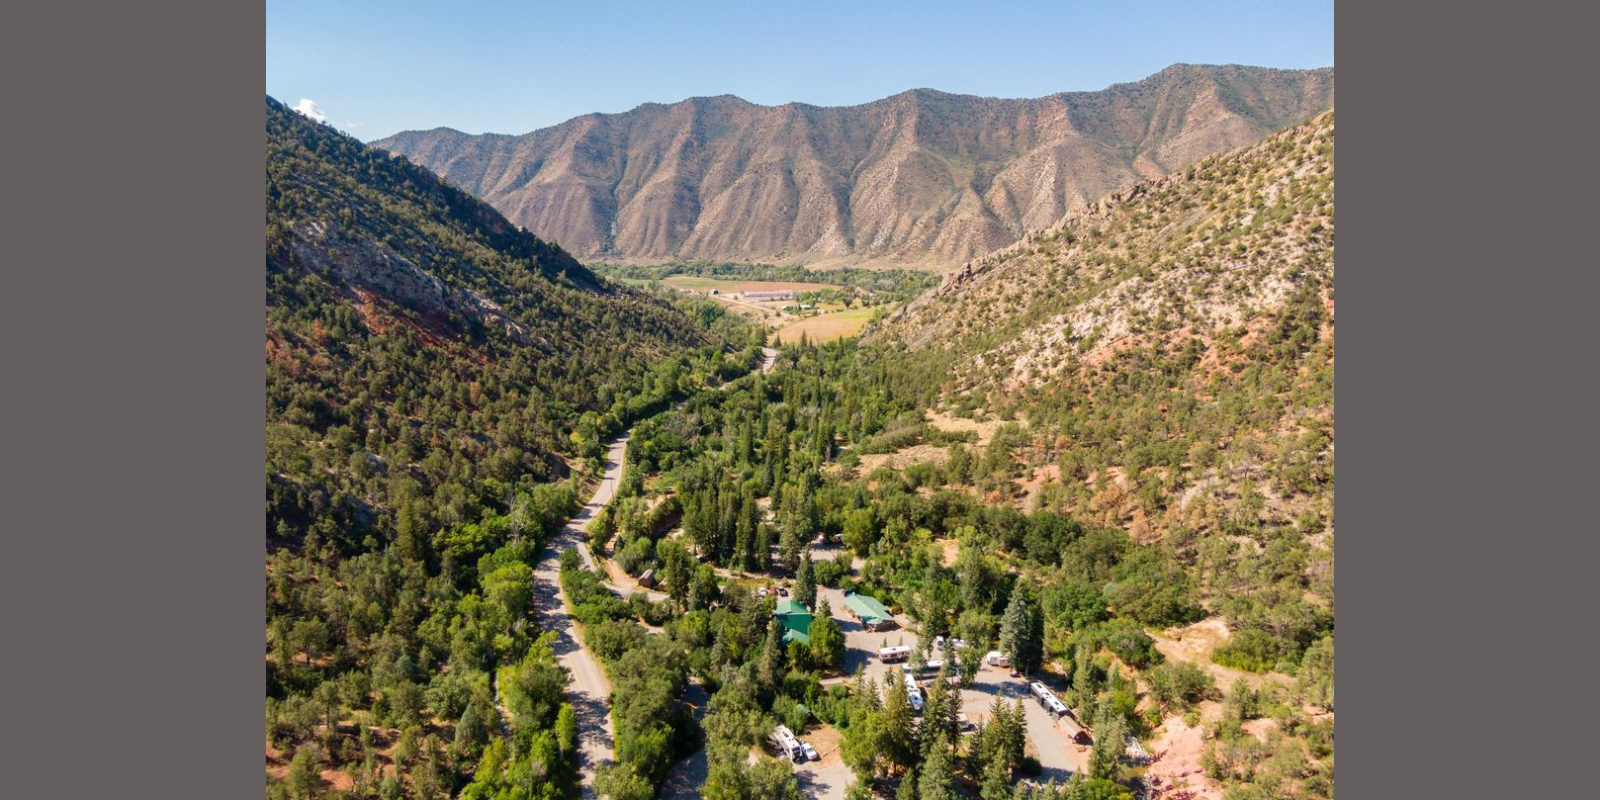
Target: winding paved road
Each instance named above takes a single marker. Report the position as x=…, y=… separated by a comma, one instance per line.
x=590, y=691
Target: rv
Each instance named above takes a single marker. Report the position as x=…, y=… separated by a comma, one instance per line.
x=890, y=655
x=787, y=745
x=1048, y=699
x=997, y=658
x=914, y=693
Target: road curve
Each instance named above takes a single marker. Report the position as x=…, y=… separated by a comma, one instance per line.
x=589, y=691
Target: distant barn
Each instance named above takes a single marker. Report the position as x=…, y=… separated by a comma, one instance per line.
x=770, y=295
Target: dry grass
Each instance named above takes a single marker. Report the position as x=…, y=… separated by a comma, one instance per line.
x=826, y=327
x=953, y=424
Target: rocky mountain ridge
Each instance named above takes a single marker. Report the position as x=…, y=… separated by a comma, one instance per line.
x=923, y=178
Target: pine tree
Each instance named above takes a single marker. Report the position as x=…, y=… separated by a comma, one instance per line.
x=996, y=782
x=1016, y=735
x=937, y=781
x=1021, y=630
x=1110, y=735
x=941, y=714
x=770, y=667
x=763, y=546
x=305, y=773
x=805, y=585
x=899, y=743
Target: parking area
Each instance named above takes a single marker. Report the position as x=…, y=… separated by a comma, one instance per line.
x=828, y=777
x=1058, y=755
x=862, y=645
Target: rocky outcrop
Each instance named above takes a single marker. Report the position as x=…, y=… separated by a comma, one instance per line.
x=364, y=265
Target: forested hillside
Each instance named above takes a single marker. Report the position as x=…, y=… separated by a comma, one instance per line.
x=1170, y=350
x=438, y=382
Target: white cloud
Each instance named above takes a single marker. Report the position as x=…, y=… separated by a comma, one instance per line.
x=311, y=109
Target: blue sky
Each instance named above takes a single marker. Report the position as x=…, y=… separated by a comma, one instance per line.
x=375, y=68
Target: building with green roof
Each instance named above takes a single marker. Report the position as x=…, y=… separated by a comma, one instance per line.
x=795, y=619
x=869, y=611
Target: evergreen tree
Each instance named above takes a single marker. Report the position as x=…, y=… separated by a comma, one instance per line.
x=941, y=714
x=908, y=784
x=305, y=773
x=677, y=570
x=805, y=582
x=1110, y=734
x=899, y=742
x=996, y=782
x=1021, y=630
x=770, y=667
x=937, y=779
x=974, y=577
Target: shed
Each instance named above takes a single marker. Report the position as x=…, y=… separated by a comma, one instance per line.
x=1073, y=730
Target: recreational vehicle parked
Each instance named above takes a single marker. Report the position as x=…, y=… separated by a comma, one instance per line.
x=891, y=655
x=996, y=658
x=1048, y=699
x=787, y=745
x=914, y=693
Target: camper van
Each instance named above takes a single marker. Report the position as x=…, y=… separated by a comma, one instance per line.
x=891, y=655
x=997, y=658
x=787, y=745
x=1048, y=699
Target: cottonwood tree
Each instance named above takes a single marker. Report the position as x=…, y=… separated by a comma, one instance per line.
x=827, y=639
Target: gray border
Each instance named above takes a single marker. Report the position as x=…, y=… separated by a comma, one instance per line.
x=132, y=317
x=1467, y=391
x=133, y=323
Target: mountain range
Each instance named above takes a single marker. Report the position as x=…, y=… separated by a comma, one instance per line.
x=922, y=179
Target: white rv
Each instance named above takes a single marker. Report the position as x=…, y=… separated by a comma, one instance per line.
x=1048, y=699
x=996, y=658
x=787, y=744
x=890, y=655
x=913, y=692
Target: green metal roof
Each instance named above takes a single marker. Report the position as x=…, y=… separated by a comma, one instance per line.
x=795, y=619
x=867, y=608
